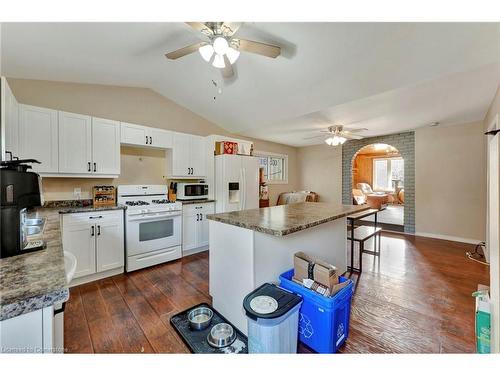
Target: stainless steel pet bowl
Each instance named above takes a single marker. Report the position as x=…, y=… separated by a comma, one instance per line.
x=221, y=335
x=200, y=318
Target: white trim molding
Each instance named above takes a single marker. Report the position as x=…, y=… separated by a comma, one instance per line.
x=448, y=238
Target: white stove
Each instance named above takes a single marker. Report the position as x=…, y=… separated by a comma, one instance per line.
x=153, y=225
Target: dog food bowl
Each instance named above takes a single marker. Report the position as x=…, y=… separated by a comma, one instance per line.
x=221, y=335
x=200, y=318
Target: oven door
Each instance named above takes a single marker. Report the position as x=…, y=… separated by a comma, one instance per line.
x=152, y=231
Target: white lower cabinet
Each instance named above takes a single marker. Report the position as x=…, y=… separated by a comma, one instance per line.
x=195, y=227
x=96, y=239
x=28, y=333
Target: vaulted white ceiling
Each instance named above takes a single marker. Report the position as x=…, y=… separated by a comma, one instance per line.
x=386, y=77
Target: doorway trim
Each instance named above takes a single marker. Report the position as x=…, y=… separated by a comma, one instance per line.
x=405, y=143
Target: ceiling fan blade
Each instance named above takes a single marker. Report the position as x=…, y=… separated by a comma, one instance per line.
x=227, y=71
x=230, y=28
x=316, y=136
x=352, y=130
x=259, y=48
x=184, y=51
x=350, y=136
x=201, y=27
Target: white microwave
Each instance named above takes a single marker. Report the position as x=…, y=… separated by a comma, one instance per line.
x=189, y=191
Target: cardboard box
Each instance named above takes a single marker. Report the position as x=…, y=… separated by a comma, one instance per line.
x=483, y=319
x=303, y=267
x=226, y=147
x=325, y=274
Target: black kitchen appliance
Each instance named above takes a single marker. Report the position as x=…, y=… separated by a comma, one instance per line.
x=20, y=191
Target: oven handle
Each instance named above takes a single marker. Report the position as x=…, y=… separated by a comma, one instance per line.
x=139, y=217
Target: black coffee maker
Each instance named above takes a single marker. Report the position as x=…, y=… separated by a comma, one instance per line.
x=20, y=191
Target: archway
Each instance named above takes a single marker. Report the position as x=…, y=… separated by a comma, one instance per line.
x=405, y=144
x=377, y=172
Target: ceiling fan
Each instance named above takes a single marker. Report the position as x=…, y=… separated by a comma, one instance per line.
x=220, y=48
x=338, y=134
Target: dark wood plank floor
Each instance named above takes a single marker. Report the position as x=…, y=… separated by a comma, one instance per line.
x=415, y=299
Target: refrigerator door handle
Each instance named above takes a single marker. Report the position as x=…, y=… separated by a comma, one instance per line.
x=241, y=189
x=244, y=189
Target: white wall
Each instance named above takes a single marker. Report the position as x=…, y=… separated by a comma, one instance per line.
x=450, y=182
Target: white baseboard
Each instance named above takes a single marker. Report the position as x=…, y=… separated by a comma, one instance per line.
x=96, y=276
x=194, y=251
x=448, y=238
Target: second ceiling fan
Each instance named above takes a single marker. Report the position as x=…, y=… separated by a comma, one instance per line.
x=220, y=48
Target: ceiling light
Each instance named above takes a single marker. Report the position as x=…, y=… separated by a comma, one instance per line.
x=335, y=140
x=232, y=55
x=206, y=52
x=219, y=61
x=220, y=45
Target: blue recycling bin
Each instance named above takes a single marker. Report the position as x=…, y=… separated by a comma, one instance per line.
x=323, y=321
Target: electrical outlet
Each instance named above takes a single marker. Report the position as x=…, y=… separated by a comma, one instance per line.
x=77, y=193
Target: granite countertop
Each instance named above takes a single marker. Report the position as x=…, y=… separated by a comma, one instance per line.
x=35, y=280
x=79, y=205
x=286, y=219
x=196, y=201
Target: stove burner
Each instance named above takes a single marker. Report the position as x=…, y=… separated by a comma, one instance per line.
x=136, y=203
x=161, y=201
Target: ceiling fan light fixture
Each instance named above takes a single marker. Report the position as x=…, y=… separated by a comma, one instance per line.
x=232, y=55
x=335, y=140
x=206, y=52
x=219, y=61
x=220, y=45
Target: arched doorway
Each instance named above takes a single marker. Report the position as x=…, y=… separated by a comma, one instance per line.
x=405, y=144
x=377, y=172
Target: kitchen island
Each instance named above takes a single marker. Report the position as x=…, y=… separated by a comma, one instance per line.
x=251, y=247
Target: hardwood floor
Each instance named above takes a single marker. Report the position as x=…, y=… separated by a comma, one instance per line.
x=415, y=299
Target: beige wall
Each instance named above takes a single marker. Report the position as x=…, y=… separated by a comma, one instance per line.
x=450, y=181
x=135, y=105
x=320, y=170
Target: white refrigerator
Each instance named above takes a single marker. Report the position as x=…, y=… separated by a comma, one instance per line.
x=236, y=183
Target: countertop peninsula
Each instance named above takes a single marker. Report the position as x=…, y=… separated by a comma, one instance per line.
x=35, y=280
x=286, y=219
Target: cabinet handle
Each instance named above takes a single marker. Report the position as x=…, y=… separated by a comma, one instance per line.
x=150, y=140
x=88, y=166
x=98, y=230
x=146, y=139
x=197, y=217
x=201, y=217
x=95, y=167
x=92, y=231
x=95, y=217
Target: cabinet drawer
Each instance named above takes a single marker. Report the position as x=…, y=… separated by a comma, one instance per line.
x=82, y=217
x=205, y=208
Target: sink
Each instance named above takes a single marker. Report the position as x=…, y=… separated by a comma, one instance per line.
x=32, y=230
x=33, y=222
x=69, y=266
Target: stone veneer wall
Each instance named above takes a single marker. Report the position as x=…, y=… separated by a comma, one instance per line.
x=405, y=143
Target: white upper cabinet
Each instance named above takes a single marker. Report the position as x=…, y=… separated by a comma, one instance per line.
x=10, y=114
x=187, y=157
x=105, y=146
x=138, y=135
x=38, y=137
x=75, y=143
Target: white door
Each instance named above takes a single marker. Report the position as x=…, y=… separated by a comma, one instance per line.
x=80, y=240
x=11, y=121
x=160, y=138
x=190, y=230
x=198, y=156
x=75, y=143
x=110, y=246
x=105, y=146
x=38, y=135
x=250, y=166
x=181, y=165
x=230, y=188
x=132, y=134
x=493, y=232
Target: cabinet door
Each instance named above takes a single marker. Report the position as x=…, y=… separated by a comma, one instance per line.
x=190, y=230
x=23, y=332
x=75, y=143
x=181, y=155
x=160, y=138
x=80, y=241
x=105, y=146
x=11, y=121
x=207, y=208
x=132, y=134
x=198, y=156
x=110, y=244
x=38, y=135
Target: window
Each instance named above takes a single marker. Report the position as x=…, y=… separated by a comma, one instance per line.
x=275, y=167
x=387, y=173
